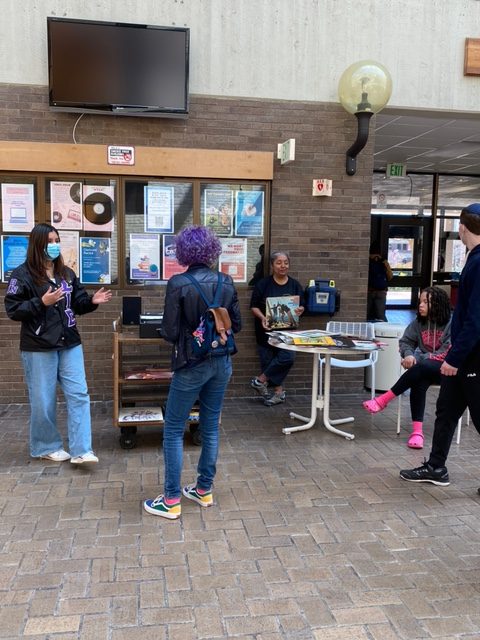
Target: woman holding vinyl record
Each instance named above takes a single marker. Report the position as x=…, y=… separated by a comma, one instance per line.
x=45, y=295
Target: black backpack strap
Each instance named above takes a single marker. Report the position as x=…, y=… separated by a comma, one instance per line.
x=218, y=291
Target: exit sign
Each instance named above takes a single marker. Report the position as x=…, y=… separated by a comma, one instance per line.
x=396, y=170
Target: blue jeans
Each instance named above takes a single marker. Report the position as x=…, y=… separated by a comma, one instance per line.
x=207, y=383
x=43, y=369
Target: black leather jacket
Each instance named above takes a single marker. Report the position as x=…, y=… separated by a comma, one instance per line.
x=184, y=306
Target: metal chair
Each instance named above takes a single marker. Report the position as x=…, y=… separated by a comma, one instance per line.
x=362, y=330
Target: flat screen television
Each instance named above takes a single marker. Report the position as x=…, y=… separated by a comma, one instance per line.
x=117, y=68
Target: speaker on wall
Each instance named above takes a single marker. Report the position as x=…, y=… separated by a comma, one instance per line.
x=132, y=308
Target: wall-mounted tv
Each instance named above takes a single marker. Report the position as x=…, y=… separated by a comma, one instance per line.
x=117, y=68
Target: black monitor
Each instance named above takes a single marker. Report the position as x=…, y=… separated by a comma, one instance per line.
x=116, y=68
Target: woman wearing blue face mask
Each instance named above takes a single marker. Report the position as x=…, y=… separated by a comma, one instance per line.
x=45, y=295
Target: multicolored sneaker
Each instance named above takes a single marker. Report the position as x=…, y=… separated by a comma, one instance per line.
x=276, y=398
x=203, y=499
x=158, y=507
x=260, y=387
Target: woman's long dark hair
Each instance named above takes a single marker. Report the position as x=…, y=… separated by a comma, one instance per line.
x=36, y=257
x=439, y=310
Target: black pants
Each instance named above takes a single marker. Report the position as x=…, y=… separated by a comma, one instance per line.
x=456, y=394
x=275, y=363
x=421, y=376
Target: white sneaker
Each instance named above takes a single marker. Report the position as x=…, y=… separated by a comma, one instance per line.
x=56, y=456
x=87, y=457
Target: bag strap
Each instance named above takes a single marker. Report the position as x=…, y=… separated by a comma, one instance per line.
x=216, y=297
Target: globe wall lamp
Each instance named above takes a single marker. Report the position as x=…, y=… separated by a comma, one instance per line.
x=364, y=89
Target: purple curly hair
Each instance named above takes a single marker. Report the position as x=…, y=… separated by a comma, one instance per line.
x=197, y=245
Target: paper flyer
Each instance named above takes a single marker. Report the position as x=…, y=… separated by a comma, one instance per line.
x=170, y=265
x=144, y=256
x=249, y=213
x=98, y=208
x=14, y=252
x=18, y=208
x=66, y=205
x=218, y=211
x=95, y=261
x=280, y=312
x=69, y=248
x=159, y=208
x=233, y=259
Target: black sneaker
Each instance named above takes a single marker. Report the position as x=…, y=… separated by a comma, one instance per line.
x=426, y=473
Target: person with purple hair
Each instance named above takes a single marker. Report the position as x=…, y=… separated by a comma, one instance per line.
x=194, y=378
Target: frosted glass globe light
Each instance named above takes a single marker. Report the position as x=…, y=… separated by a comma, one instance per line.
x=366, y=86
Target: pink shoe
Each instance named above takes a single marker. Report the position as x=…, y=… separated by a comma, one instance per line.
x=372, y=406
x=415, y=441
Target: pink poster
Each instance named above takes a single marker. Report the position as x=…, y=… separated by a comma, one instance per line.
x=66, y=205
x=98, y=208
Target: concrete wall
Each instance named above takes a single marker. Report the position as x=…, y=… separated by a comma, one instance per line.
x=279, y=49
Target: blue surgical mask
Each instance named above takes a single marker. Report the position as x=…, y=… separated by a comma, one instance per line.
x=53, y=250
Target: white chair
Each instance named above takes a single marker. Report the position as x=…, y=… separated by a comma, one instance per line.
x=362, y=330
x=433, y=386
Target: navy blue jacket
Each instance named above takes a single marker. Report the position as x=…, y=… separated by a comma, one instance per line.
x=466, y=316
x=184, y=307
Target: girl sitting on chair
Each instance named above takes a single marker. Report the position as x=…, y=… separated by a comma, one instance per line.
x=423, y=348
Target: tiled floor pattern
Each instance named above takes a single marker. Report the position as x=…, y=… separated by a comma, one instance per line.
x=311, y=537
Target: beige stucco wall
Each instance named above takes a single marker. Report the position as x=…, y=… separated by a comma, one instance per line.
x=281, y=49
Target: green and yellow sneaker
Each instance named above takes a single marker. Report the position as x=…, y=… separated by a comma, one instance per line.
x=158, y=507
x=203, y=499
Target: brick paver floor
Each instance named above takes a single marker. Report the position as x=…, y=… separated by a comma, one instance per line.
x=311, y=536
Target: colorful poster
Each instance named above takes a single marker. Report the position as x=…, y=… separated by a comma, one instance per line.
x=218, y=211
x=281, y=312
x=249, y=213
x=14, y=252
x=159, y=208
x=170, y=264
x=98, y=208
x=144, y=256
x=95, y=261
x=69, y=248
x=233, y=259
x=18, y=207
x=66, y=205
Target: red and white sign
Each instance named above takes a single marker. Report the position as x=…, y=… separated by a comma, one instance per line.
x=121, y=155
x=322, y=187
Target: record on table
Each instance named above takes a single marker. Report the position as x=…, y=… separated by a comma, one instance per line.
x=98, y=208
x=75, y=192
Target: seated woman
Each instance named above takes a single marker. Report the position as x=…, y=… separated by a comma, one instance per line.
x=423, y=348
x=275, y=363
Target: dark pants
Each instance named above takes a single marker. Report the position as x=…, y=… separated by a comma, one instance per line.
x=456, y=394
x=376, y=301
x=275, y=363
x=421, y=376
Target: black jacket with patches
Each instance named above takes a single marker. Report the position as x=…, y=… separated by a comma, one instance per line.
x=184, y=307
x=46, y=328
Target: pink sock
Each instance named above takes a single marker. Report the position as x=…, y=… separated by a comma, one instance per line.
x=385, y=398
x=417, y=427
x=171, y=501
x=201, y=492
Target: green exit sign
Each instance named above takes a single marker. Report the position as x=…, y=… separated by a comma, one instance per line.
x=396, y=170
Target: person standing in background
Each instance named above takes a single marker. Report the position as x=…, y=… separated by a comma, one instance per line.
x=45, y=295
x=379, y=275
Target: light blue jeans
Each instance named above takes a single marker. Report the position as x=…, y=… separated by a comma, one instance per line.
x=43, y=369
x=206, y=382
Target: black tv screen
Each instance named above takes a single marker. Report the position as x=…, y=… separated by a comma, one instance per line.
x=122, y=69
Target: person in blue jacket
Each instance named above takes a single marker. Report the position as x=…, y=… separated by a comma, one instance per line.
x=460, y=386
x=46, y=296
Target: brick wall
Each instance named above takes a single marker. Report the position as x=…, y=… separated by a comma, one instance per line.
x=326, y=237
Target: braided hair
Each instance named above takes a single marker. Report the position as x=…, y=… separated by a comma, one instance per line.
x=439, y=310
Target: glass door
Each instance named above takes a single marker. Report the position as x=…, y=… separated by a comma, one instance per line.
x=407, y=243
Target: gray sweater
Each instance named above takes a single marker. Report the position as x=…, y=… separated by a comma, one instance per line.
x=425, y=341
